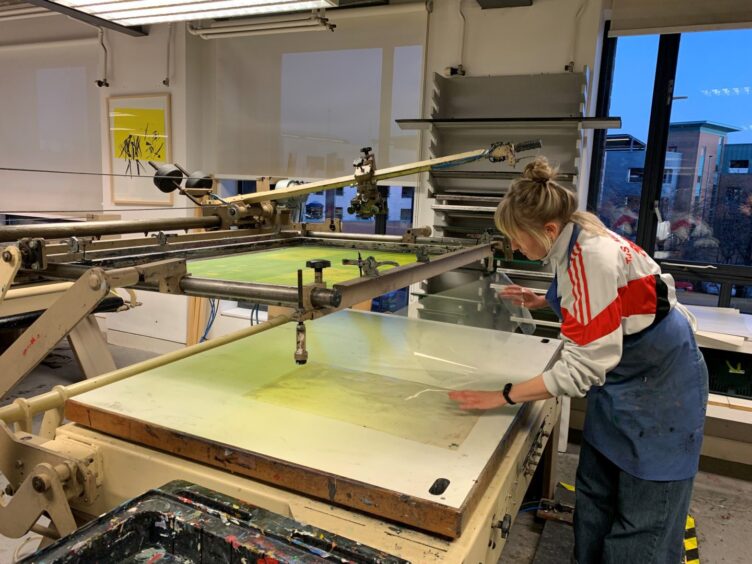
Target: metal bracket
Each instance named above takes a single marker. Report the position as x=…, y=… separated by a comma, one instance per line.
x=166, y=273
x=368, y=201
x=32, y=253
x=9, y=265
x=369, y=266
x=42, y=481
x=555, y=511
x=411, y=235
x=162, y=237
x=421, y=254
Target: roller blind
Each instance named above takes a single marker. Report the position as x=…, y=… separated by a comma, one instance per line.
x=303, y=105
x=640, y=17
x=50, y=120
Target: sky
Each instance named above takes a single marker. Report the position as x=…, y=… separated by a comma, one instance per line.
x=714, y=72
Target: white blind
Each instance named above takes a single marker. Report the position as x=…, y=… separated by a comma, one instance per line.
x=303, y=105
x=641, y=17
x=50, y=120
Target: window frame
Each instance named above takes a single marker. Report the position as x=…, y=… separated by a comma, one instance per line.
x=727, y=275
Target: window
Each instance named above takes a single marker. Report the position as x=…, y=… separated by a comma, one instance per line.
x=636, y=175
x=711, y=130
x=408, y=192
x=406, y=214
x=339, y=191
x=739, y=167
x=706, y=190
x=623, y=168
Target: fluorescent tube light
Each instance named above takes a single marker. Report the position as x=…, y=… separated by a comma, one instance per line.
x=145, y=12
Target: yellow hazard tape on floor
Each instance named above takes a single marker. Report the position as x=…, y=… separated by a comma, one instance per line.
x=691, y=550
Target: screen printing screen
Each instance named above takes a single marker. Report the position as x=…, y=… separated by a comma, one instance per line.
x=280, y=266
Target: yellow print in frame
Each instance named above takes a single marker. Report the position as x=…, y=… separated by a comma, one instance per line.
x=139, y=132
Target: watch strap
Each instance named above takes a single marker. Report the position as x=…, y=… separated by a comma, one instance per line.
x=505, y=393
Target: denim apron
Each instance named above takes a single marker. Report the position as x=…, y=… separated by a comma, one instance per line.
x=648, y=416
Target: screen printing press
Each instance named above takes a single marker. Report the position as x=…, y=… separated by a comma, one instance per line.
x=336, y=421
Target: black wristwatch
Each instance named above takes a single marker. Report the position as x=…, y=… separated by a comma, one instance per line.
x=505, y=393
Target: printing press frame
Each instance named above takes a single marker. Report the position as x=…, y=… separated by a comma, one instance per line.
x=62, y=468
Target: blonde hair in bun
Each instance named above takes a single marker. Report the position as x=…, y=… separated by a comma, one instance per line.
x=537, y=199
x=539, y=171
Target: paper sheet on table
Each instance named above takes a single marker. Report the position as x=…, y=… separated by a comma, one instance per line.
x=721, y=320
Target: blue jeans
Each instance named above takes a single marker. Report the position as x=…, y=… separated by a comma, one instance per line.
x=620, y=518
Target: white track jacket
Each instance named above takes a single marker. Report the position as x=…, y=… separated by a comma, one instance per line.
x=609, y=287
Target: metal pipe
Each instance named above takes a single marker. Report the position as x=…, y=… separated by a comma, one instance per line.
x=260, y=32
x=226, y=289
x=378, y=238
x=51, y=400
x=37, y=290
x=253, y=26
x=97, y=228
x=355, y=291
x=254, y=292
x=49, y=44
x=354, y=236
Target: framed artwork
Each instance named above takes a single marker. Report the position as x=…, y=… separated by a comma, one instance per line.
x=139, y=132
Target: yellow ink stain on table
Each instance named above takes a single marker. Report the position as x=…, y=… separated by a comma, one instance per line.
x=405, y=409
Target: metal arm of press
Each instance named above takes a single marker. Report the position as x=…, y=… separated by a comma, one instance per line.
x=42, y=481
x=58, y=321
x=251, y=209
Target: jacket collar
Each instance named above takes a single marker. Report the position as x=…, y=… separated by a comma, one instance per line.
x=558, y=250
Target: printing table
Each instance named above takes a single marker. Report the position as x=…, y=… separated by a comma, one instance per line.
x=365, y=425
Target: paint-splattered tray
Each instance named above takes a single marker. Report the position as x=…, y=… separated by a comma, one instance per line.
x=183, y=522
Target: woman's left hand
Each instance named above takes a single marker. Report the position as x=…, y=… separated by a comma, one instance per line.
x=470, y=399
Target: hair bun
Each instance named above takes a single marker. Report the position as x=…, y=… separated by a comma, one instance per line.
x=539, y=171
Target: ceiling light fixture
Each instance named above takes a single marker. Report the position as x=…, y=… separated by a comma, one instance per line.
x=263, y=26
x=130, y=13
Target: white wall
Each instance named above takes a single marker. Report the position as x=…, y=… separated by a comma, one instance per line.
x=138, y=66
x=542, y=38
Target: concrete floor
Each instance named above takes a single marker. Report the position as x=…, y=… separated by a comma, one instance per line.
x=721, y=506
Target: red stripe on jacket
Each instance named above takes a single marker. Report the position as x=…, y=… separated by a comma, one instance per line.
x=586, y=297
x=638, y=297
x=576, y=293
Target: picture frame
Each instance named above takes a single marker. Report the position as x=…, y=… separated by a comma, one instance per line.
x=139, y=131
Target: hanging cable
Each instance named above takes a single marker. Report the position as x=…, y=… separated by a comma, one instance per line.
x=170, y=34
x=213, y=307
x=85, y=173
x=103, y=81
x=462, y=40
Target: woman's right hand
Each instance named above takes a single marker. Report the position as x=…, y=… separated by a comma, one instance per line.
x=524, y=297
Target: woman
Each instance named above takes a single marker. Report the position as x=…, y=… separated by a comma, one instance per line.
x=628, y=347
